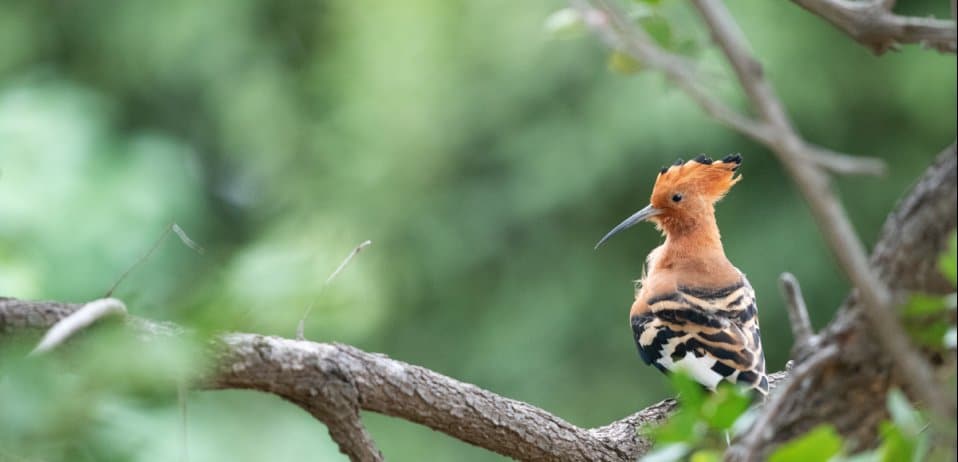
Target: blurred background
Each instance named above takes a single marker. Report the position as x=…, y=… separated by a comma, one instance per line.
x=482, y=156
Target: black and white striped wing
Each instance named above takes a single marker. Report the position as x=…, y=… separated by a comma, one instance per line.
x=711, y=334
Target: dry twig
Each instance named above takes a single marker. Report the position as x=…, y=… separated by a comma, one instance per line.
x=172, y=227
x=302, y=322
x=797, y=311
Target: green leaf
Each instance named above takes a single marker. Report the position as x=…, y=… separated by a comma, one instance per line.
x=624, y=64
x=819, y=444
x=683, y=427
x=920, y=305
x=564, y=24
x=706, y=455
x=923, y=319
x=923, y=448
x=895, y=446
x=902, y=413
x=659, y=28
x=724, y=407
x=930, y=334
x=948, y=261
x=690, y=393
x=667, y=453
x=869, y=456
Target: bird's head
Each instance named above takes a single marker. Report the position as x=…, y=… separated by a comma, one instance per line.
x=684, y=195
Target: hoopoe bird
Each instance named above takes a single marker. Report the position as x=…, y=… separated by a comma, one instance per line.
x=693, y=310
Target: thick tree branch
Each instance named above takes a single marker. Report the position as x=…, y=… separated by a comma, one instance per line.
x=334, y=381
x=874, y=25
x=299, y=371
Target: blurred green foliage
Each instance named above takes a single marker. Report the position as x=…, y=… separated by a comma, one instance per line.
x=818, y=445
x=481, y=158
x=702, y=426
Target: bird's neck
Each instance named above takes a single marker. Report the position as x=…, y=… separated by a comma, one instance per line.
x=697, y=246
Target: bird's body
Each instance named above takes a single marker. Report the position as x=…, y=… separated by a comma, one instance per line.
x=693, y=310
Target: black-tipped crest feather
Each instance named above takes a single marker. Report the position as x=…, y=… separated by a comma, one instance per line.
x=703, y=159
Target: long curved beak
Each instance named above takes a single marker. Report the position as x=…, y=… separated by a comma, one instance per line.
x=641, y=215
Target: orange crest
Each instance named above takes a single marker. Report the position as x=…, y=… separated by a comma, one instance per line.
x=700, y=178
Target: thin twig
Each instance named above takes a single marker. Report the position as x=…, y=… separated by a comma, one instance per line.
x=607, y=20
x=611, y=25
x=156, y=244
x=797, y=311
x=302, y=322
x=827, y=210
x=746, y=448
x=77, y=321
x=844, y=164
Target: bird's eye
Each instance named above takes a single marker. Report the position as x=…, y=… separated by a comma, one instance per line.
x=677, y=198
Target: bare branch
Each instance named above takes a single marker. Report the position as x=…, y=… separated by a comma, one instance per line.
x=612, y=26
x=844, y=164
x=827, y=210
x=873, y=24
x=77, y=321
x=797, y=312
x=334, y=381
